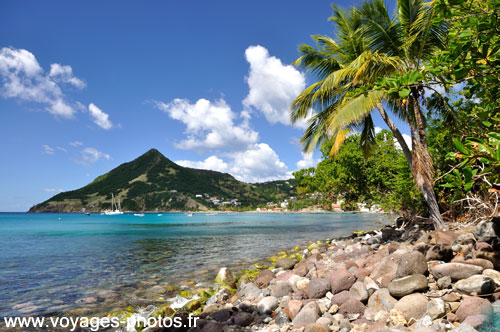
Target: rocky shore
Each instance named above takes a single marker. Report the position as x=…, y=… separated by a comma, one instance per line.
x=394, y=279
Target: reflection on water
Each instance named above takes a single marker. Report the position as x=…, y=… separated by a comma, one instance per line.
x=48, y=265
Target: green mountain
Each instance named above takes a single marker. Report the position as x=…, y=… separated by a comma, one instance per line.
x=154, y=183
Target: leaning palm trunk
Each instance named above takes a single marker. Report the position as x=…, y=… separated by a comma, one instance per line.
x=422, y=166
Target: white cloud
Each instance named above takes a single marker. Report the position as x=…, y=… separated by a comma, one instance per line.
x=91, y=155
x=60, y=148
x=100, y=118
x=23, y=78
x=64, y=74
x=378, y=130
x=213, y=163
x=47, y=150
x=307, y=161
x=407, y=139
x=272, y=85
x=76, y=143
x=209, y=125
x=259, y=163
x=53, y=190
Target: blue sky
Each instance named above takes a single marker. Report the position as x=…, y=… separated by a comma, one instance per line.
x=88, y=85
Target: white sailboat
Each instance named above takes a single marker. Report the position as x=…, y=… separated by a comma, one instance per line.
x=115, y=207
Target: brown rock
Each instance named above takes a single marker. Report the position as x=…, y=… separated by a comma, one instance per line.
x=340, y=280
x=439, y=252
x=352, y=306
x=315, y=327
x=301, y=269
x=382, y=300
x=293, y=307
x=386, y=267
x=473, y=306
x=317, y=288
x=264, y=278
x=412, y=306
x=492, y=256
x=484, y=263
x=411, y=263
x=341, y=297
x=445, y=237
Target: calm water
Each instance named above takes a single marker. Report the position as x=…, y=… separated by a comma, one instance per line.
x=47, y=264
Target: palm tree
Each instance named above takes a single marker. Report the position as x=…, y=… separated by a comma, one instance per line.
x=370, y=44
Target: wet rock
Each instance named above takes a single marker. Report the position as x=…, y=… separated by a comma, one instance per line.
x=358, y=291
x=281, y=289
x=381, y=300
x=439, y=252
x=478, y=284
x=456, y=271
x=309, y=314
x=486, y=231
x=473, y=306
x=264, y=278
x=351, y=307
x=407, y=285
x=444, y=282
x=292, y=309
x=412, y=306
x=411, y=263
x=340, y=280
x=286, y=263
x=243, y=318
x=267, y=305
x=224, y=276
x=317, y=288
x=464, y=243
x=445, y=237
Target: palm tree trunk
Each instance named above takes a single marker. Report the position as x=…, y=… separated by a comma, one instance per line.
x=422, y=168
x=396, y=133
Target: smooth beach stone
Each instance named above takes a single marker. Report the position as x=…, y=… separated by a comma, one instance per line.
x=382, y=300
x=309, y=314
x=412, y=306
x=281, y=318
x=263, y=278
x=286, y=263
x=249, y=290
x=340, y=280
x=267, y=305
x=281, y=289
x=478, y=284
x=358, y=291
x=293, y=307
x=340, y=298
x=386, y=268
x=456, y=271
x=222, y=315
x=493, y=274
x=317, y=288
x=473, y=306
x=224, y=276
x=352, y=306
x=407, y=285
x=243, y=318
x=445, y=237
x=484, y=263
x=316, y=327
x=411, y=263
x=444, y=282
x=213, y=327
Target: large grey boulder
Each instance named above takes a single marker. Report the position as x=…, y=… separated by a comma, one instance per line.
x=411, y=263
x=478, y=284
x=486, y=231
x=267, y=305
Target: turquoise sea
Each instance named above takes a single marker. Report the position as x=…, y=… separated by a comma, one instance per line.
x=50, y=262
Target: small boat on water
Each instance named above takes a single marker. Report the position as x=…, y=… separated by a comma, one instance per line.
x=190, y=214
x=160, y=214
x=139, y=214
x=210, y=214
x=87, y=213
x=115, y=207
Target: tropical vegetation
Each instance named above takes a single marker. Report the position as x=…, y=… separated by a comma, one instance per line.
x=431, y=65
